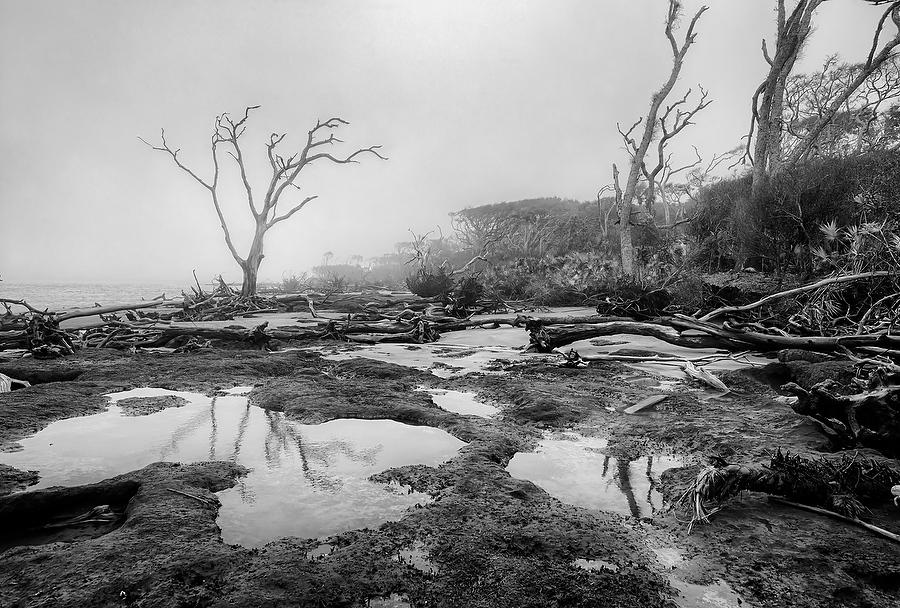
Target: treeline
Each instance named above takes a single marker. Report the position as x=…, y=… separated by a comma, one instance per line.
x=821, y=215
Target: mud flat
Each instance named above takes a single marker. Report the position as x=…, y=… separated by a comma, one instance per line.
x=484, y=525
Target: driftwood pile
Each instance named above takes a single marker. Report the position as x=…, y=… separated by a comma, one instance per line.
x=852, y=318
x=366, y=317
x=764, y=325
x=865, y=332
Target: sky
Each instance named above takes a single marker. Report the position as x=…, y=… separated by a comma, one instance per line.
x=473, y=102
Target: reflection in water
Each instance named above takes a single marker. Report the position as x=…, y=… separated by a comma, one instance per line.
x=470, y=351
x=212, y=429
x=460, y=402
x=305, y=480
x=576, y=470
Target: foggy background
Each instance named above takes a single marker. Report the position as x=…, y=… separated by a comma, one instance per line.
x=473, y=102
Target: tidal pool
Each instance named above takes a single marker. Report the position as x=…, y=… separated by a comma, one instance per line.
x=577, y=470
x=460, y=402
x=305, y=480
x=454, y=354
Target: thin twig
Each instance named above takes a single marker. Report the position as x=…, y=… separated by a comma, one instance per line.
x=205, y=501
x=880, y=531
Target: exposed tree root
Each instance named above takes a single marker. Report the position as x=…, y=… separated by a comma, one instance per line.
x=841, y=485
x=870, y=419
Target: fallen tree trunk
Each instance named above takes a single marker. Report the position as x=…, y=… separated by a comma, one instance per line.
x=102, y=310
x=420, y=333
x=544, y=339
x=762, y=341
x=257, y=336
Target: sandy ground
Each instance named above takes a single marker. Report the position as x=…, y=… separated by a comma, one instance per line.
x=490, y=539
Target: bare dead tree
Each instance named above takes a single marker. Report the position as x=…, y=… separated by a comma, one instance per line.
x=638, y=148
x=767, y=127
x=860, y=122
x=876, y=58
x=668, y=191
x=603, y=217
x=767, y=105
x=226, y=135
x=660, y=174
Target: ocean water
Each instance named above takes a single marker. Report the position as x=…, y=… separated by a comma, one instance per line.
x=61, y=296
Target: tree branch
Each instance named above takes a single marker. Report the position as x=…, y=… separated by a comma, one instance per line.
x=164, y=147
x=296, y=208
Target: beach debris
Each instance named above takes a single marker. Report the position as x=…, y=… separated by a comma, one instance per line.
x=646, y=403
x=101, y=514
x=704, y=376
x=200, y=499
x=6, y=383
x=857, y=522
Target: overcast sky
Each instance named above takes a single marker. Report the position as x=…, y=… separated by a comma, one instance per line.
x=473, y=101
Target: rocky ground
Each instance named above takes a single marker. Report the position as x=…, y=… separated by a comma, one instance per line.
x=490, y=539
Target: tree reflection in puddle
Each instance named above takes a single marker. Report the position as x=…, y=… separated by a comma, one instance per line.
x=577, y=470
x=304, y=480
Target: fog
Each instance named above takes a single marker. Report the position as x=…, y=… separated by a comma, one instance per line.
x=473, y=102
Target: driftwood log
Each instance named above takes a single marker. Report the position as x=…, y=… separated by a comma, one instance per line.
x=544, y=338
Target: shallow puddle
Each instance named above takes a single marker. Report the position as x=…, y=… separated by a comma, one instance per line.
x=394, y=600
x=515, y=338
x=715, y=595
x=575, y=469
x=454, y=354
x=320, y=552
x=675, y=567
x=305, y=480
x=416, y=555
x=460, y=402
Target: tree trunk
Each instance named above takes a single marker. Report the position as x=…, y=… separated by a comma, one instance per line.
x=625, y=199
x=251, y=274
x=250, y=266
x=625, y=239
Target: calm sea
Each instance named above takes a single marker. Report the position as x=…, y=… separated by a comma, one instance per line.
x=59, y=296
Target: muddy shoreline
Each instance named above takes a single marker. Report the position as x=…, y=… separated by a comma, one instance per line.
x=492, y=540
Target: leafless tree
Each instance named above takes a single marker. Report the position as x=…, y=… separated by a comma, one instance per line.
x=662, y=172
x=861, y=124
x=767, y=125
x=768, y=105
x=638, y=148
x=863, y=74
x=604, y=215
x=226, y=135
x=669, y=191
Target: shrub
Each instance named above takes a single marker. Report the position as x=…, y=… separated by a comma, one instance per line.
x=436, y=283
x=294, y=283
x=783, y=225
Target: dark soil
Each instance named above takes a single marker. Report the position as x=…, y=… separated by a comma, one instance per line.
x=494, y=540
